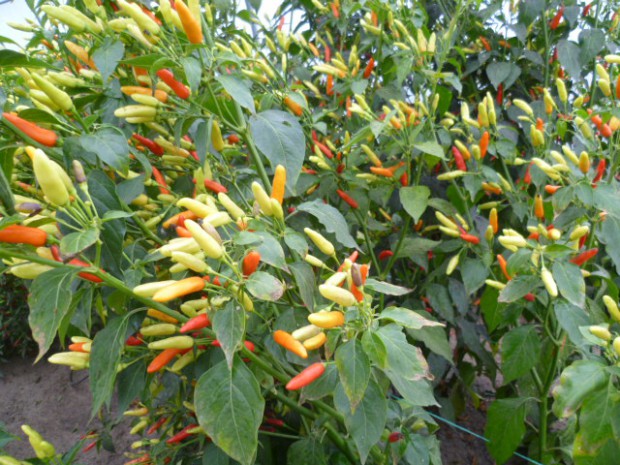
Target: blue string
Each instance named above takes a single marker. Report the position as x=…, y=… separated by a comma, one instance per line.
x=459, y=427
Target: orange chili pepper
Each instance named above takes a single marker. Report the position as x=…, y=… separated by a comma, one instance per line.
x=539, y=209
x=290, y=343
x=503, y=266
x=484, y=143
x=17, y=234
x=292, y=105
x=36, y=133
x=191, y=25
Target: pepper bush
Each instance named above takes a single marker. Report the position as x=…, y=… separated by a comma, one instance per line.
x=292, y=241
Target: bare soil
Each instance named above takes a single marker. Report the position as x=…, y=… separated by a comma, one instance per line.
x=56, y=402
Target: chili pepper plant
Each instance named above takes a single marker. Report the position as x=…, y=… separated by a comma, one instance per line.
x=290, y=241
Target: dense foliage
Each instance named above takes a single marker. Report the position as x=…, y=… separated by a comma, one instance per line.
x=286, y=241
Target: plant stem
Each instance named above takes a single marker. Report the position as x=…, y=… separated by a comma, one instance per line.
x=256, y=158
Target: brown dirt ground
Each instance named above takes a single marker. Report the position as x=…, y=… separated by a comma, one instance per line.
x=56, y=402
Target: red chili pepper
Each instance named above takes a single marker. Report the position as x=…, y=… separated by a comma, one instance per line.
x=404, y=179
x=583, y=257
x=328, y=54
x=133, y=341
x=146, y=458
x=250, y=263
x=348, y=199
x=56, y=253
x=249, y=345
x=233, y=139
x=385, y=254
x=89, y=447
x=181, y=435
x=157, y=425
x=325, y=149
x=500, y=94
x=87, y=276
x=529, y=297
x=527, y=179
x=470, y=238
x=586, y=10
x=458, y=159
x=180, y=89
x=395, y=437
x=307, y=376
x=600, y=170
x=555, y=22
x=340, y=168
x=275, y=422
x=159, y=179
x=369, y=67
x=198, y=322
x=149, y=144
x=215, y=186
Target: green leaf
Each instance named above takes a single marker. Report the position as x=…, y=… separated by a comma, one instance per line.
x=107, y=56
x=366, y=423
x=13, y=59
x=331, y=219
x=230, y=408
x=520, y=349
x=386, y=288
x=505, y=427
x=435, y=338
x=415, y=200
x=304, y=278
x=270, y=250
x=518, y=287
x=238, y=90
x=570, y=282
x=403, y=358
x=598, y=413
x=104, y=357
x=6, y=195
x=407, y=318
x=279, y=136
x=568, y=54
x=110, y=146
x=76, y=242
x=570, y=318
x=417, y=392
x=431, y=147
x=354, y=368
x=374, y=348
x=264, y=286
x=213, y=455
x=229, y=327
x=115, y=214
x=131, y=382
x=591, y=42
x=491, y=309
x=306, y=451
x=610, y=236
x=577, y=383
x=499, y=72
x=193, y=71
x=49, y=301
